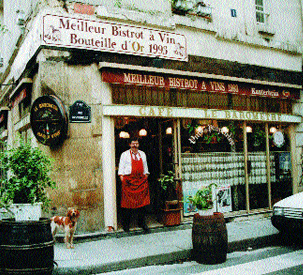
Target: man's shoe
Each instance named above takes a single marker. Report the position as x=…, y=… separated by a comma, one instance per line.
x=146, y=229
x=126, y=229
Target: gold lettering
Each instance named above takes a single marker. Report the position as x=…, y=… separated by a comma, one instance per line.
x=151, y=111
x=48, y=105
x=227, y=114
x=235, y=115
x=161, y=110
x=214, y=113
x=169, y=112
x=207, y=115
x=241, y=115
x=248, y=115
x=255, y=116
x=142, y=111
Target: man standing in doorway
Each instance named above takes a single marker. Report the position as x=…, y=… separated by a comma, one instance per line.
x=133, y=172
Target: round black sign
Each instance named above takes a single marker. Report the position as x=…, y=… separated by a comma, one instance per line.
x=49, y=120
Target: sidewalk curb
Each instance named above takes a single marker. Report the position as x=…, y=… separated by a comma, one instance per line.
x=183, y=255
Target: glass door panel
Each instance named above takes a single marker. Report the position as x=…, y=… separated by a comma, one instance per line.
x=257, y=171
x=280, y=162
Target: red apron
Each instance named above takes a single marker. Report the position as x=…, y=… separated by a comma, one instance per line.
x=135, y=190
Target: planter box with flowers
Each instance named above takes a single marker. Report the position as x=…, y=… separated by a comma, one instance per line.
x=25, y=171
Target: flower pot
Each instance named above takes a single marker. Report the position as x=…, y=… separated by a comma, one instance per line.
x=27, y=211
x=171, y=214
x=205, y=212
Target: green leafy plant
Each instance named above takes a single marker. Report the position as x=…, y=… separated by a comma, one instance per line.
x=202, y=200
x=168, y=184
x=3, y=28
x=167, y=180
x=25, y=176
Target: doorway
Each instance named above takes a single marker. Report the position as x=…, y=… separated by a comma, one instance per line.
x=155, y=137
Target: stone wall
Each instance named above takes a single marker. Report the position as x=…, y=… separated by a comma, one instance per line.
x=78, y=167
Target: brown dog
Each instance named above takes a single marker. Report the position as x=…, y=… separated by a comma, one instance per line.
x=67, y=225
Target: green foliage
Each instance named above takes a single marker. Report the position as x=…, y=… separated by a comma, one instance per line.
x=26, y=176
x=203, y=198
x=3, y=28
x=118, y=3
x=166, y=180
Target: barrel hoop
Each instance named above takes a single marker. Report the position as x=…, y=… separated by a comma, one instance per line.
x=26, y=247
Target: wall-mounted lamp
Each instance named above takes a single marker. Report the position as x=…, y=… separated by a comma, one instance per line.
x=272, y=130
x=124, y=134
x=249, y=129
x=143, y=133
x=224, y=130
x=169, y=131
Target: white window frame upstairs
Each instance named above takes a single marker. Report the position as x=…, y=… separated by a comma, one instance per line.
x=261, y=15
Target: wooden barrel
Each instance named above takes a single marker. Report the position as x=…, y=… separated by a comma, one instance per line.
x=209, y=237
x=26, y=247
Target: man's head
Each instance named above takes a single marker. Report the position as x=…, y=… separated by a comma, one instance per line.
x=134, y=144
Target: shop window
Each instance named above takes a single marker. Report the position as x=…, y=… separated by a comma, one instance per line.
x=24, y=106
x=193, y=8
x=3, y=121
x=25, y=134
x=210, y=155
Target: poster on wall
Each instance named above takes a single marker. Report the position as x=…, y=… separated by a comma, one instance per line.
x=223, y=203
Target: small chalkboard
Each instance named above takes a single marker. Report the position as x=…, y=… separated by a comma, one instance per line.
x=80, y=112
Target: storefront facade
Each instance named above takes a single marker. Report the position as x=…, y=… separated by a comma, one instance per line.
x=236, y=148
x=236, y=125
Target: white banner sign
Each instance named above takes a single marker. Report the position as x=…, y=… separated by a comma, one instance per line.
x=111, y=37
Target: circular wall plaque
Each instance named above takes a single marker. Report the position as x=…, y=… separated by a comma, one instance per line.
x=49, y=120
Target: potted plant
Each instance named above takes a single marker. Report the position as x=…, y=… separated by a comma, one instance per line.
x=171, y=210
x=203, y=200
x=26, y=241
x=25, y=178
x=209, y=232
x=168, y=185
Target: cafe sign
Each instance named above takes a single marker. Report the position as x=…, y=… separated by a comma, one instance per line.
x=126, y=77
x=72, y=32
x=48, y=120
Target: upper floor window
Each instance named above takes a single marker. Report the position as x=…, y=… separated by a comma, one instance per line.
x=260, y=11
x=192, y=7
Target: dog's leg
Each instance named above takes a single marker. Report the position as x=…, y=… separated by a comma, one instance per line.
x=67, y=239
x=71, y=239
